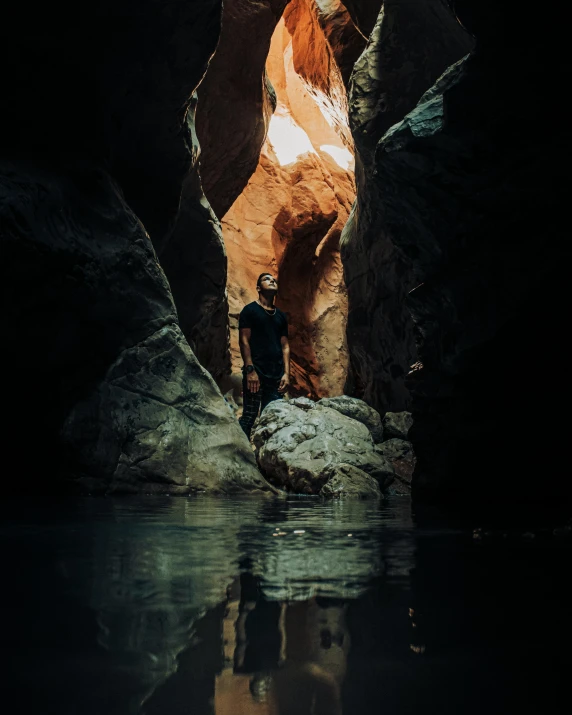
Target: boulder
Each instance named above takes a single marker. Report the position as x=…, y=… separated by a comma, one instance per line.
x=296, y=448
x=357, y=410
x=396, y=425
x=123, y=403
x=349, y=481
x=399, y=453
x=304, y=403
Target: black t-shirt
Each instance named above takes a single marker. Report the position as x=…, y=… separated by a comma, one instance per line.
x=265, y=333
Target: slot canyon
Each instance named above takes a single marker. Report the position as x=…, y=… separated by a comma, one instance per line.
x=391, y=535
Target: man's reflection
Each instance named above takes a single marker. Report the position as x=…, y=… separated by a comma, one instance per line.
x=295, y=653
x=303, y=686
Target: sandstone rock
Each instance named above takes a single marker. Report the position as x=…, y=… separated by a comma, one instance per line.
x=396, y=424
x=477, y=214
x=348, y=481
x=411, y=45
x=193, y=257
x=296, y=449
x=400, y=455
x=125, y=405
x=234, y=100
x=291, y=213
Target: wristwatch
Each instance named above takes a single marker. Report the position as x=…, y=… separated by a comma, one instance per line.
x=249, y=369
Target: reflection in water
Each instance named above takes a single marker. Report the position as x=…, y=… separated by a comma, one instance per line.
x=255, y=606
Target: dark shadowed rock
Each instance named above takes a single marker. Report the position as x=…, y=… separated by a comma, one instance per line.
x=296, y=448
x=123, y=404
x=399, y=453
x=396, y=424
x=357, y=410
x=345, y=480
x=411, y=45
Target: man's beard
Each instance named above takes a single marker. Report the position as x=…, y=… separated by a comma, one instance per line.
x=269, y=294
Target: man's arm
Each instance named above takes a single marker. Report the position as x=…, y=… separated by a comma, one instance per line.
x=252, y=381
x=285, y=381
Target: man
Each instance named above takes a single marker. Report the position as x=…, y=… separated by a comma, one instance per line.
x=263, y=338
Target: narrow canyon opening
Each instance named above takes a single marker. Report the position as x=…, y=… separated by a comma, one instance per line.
x=289, y=217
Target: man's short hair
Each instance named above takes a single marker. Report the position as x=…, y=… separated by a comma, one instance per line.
x=260, y=277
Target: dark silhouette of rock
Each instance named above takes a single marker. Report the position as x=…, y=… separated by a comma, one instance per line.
x=464, y=195
x=411, y=45
x=96, y=133
x=400, y=455
x=118, y=387
x=396, y=425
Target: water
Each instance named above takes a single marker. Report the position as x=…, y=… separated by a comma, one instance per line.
x=204, y=606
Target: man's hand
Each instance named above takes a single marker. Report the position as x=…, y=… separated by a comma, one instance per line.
x=284, y=382
x=252, y=382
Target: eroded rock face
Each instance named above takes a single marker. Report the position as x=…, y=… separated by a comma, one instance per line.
x=289, y=218
x=397, y=424
x=345, y=480
x=123, y=404
x=119, y=401
x=357, y=410
x=400, y=454
x=411, y=44
x=236, y=101
x=467, y=202
x=297, y=448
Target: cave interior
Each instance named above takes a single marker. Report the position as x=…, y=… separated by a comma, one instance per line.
x=400, y=165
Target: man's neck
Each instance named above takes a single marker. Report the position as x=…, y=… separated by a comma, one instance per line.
x=266, y=302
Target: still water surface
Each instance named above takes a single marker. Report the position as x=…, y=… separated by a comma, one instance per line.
x=260, y=606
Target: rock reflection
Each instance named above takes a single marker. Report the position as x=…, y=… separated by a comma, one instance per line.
x=194, y=607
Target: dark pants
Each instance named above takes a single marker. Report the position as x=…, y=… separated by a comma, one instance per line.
x=255, y=401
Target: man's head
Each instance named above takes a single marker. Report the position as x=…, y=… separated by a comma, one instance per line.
x=266, y=284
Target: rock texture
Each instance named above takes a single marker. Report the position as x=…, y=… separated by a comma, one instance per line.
x=236, y=100
x=467, y=200
x=411, y=45
x=397, y=424
x=119, y=391
x=357, y=410
x=300, y=450
x=399, y=453
x=107, y=389
x=345, y=480
x=290, y=215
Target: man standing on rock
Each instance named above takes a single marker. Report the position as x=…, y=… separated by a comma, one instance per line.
x=263, y=338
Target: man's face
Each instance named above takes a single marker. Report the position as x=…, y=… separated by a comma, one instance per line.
x=269, y=283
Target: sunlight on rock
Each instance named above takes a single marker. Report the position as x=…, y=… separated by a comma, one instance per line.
x=288, y=139
x=340, y=155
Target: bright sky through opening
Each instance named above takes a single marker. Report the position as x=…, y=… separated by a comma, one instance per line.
x=288, y=139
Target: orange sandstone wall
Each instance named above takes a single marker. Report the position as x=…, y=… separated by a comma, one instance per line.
x=289, y=218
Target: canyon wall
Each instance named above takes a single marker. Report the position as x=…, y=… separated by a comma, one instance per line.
x=96, y=143
x=289, y=216
x=469, y=195
x=410, y=45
